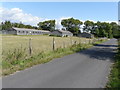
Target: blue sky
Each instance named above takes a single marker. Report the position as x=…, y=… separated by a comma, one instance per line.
x=96, y=11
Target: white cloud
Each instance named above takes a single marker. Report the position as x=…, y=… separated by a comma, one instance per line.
x=58, y=22
x=17, y=15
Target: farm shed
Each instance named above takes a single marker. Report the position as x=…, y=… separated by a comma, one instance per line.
x=62, y=33
x=86, y=35
x=24, y=31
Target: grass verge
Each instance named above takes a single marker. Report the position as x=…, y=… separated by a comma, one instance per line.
x=114, y=78
x=16, y=62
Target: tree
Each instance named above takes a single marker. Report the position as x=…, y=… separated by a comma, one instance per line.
x=89, y=26
x=97, y=32
x=47, y=25
x=72, y=25
x=21, y=25
x=108, y=29
x=105, y=29
x=6, y=25
x=28, y=26
x=118, y=31
x=15, y=24
x=115, y=29
x=97, y=29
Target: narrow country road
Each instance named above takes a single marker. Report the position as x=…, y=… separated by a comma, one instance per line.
x=85, y=69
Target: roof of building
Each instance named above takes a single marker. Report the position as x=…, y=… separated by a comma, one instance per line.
x=25, y=29
x=86, y=33
x=64, y=31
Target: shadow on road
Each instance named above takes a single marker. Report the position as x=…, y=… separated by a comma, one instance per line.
x=101, y=45
x=101, y=52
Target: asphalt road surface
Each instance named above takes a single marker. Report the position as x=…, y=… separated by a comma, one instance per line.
x=85, y=69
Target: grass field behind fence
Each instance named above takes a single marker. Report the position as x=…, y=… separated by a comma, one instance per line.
x=15, y=50
x=38, y=43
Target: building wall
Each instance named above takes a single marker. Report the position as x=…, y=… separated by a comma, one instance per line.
x=68, y=34
x=61, y=34
x=57, y=33
x=86, y=35
x=9, y=32
x=29, y=32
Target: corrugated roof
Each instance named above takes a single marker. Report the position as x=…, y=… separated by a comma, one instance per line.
x=24, y=29
x=62, y=31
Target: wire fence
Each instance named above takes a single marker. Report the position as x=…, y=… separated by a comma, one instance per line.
x=29, y=46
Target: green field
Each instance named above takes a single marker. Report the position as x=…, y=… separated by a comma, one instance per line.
x=16, y=56
x=39, y=43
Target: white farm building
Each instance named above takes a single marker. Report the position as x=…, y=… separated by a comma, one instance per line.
x=86, y=35
x=24, y=31
x=62, y=33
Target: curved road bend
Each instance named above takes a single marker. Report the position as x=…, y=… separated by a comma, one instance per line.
x=86, y=69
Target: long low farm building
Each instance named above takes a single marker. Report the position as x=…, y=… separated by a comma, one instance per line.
x=24, y=31
x=86, y=35
x=62, y=33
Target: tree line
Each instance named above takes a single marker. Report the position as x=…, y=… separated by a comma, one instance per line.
x=7, y=24
x=99, y=29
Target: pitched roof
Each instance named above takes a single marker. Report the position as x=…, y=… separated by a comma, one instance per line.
x=62, y=31
x=25, y=29
x=86, y=33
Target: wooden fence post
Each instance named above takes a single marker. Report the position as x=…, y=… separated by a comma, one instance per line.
x=92, y=41
x=30, y=47
x=63, y=44
x=21, y=47
x=71, y=40
x=75, y=43
x=53, y=44
x=89, y=41
x=80, y=41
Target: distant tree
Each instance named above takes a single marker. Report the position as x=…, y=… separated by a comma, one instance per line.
x=15, y=24
x=28, y=26
x=97, y=32
x=118, y=31
x=21, y=25
x=47, y=25
x=108, y=29
x=89, y=26
x=0, y=26
x=97, y=29
x=6, y=25
x=72, y=25
x=103, y=29
x=115, y=29
x=34, y=27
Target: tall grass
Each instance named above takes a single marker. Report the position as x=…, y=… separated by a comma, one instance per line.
x=114, y=78
x=39, y=43
x=15, y=60
x=15, y=51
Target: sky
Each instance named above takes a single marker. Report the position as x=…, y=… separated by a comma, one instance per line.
x=119, y=12
x=34, y=12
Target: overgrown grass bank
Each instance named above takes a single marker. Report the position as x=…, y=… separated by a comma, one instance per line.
x=15, y=63
x=18, y=60
x=114, y=78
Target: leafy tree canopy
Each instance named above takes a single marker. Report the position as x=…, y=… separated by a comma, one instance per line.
x=72, y=25
x=47, y=25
